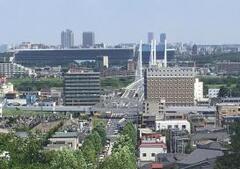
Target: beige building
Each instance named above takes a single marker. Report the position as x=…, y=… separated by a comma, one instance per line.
x=226, y=110
x=175, y=85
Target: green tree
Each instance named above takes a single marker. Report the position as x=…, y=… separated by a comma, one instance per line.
x=223, y=92
x=102, y=133
x=80, y=159
x=89, y=152
x=67, y=159
x=231, y=158
x=122, y=159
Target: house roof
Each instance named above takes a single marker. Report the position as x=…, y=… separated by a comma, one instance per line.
x=156, y=166
x=66, y=135
x=210, y=136
x=199, y=155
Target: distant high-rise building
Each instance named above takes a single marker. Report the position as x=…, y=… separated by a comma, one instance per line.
x=150, y=36
x=163, y=37
x=88, y=39
x=194, y=50
x=67, y=39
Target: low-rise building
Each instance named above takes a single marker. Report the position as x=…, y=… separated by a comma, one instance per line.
x=70, y=139
x=213, y=93
x=151, y=145
x=226, y=110
x=173, y=124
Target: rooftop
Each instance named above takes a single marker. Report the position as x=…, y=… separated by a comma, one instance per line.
x=200, y=155
x=66, y=135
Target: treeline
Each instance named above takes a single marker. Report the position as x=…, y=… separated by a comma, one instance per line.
x=28, y=153
x=230, y=80
x=31, y=84
x=124, y=151
x=206, y=59
x=229, y=86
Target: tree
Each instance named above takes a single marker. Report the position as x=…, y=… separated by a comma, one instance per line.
x=122, y=159
x=80, y=159
x=123, y=141
x=130, y=131
x=95, y=139
x=89, y=152
x=66, y=159
x=102, y=133
x=231, y=158
x=223, y=92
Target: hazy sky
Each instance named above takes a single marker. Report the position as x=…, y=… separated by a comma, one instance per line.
x=116, y=21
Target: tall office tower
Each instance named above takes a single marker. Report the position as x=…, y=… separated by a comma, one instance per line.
x=88, y=39
x=81, y=88
x=175, y=85
x=67, y=39
x=150, y=37
x=163, y=37
x=194, y=50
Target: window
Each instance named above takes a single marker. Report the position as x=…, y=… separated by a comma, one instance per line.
x=144, y=154
x=183, y=126
x=153, y=154
x=176, y=126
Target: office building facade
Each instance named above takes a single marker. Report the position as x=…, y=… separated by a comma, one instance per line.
x=163, y=37
x=150, y=37
x=81, y=88
x=88, y=39
x=67, y=39
x=56, y=57
x=173, y=84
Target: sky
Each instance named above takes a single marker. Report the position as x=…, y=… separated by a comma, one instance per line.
x=120, y=21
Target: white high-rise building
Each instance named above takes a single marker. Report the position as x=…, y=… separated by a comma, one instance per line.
x=198, y=90
x=105, y=61
x=67, y=39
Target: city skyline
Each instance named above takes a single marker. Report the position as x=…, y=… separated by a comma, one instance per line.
x=130, y=21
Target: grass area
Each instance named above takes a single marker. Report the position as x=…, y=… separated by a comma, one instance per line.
x=18, y=112
x=26, y=84
x=116, y=82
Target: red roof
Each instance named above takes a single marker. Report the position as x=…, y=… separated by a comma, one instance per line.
x=156, y=166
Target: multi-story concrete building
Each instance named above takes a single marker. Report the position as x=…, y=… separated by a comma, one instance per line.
x=198, y=90
x=173, y=124
x=81, y=88
x=67, y=39
x=213, y=93
x=88, y=39
x=175, y=85
x=151, y=145
x=10, y=70
x=228, y=68
x=225, y=110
